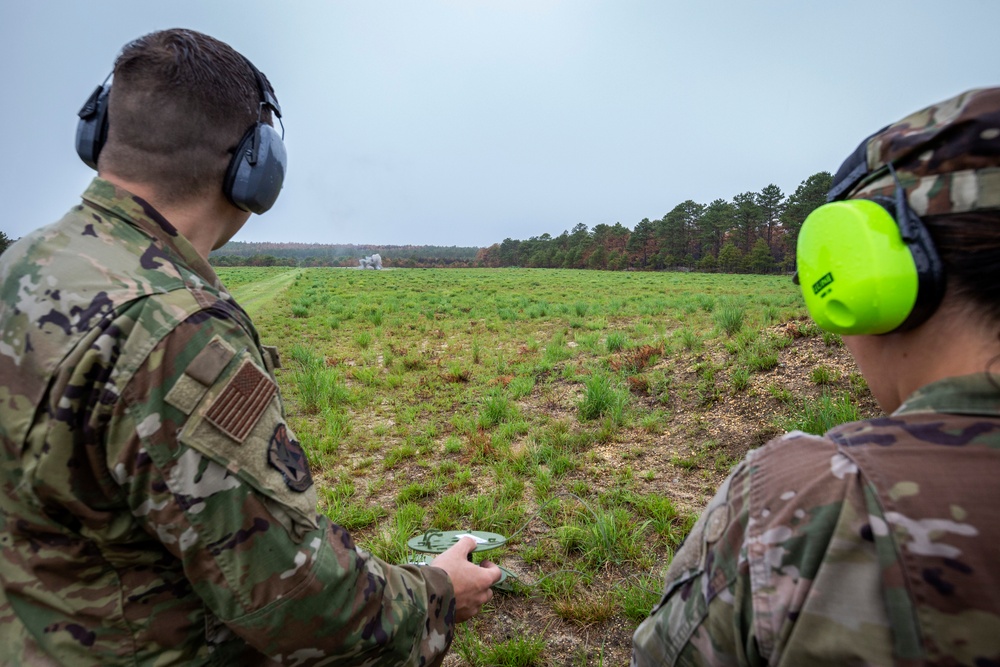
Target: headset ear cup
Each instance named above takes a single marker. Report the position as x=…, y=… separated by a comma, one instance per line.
x=92, y=128
x=856, y=273
x=256, y=172
x=239, y=166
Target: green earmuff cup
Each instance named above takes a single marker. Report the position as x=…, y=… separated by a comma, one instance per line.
x=856, y=273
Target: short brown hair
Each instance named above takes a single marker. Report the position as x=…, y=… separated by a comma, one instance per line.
x=180, y=102
x=969, y=245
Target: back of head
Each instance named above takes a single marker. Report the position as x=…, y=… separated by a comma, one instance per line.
x=947, y=158
x=935, y=177
x=179, y=105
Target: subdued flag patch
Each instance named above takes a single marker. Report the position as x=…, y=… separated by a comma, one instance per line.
x=242, y=402
x=287, y=456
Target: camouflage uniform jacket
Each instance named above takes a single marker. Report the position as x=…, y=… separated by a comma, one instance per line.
x=877, y=544
x=155, y=507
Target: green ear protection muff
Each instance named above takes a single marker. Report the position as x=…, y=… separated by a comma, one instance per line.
x=868, y=266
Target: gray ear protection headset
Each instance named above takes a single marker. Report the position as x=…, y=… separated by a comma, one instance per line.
x=256, y=171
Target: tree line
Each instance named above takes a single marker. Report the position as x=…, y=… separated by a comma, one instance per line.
x=243, y=253
x=755, y=232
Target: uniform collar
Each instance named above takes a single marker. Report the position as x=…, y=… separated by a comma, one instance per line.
x=139, y=213
x=977, y=394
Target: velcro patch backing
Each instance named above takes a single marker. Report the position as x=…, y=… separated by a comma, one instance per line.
x=210, y=362
x=243, y=400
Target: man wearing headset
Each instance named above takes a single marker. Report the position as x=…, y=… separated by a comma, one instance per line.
x=155, y=506
x=878, y=543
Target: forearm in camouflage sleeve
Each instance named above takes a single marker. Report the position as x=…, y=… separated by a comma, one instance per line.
x=243, y=525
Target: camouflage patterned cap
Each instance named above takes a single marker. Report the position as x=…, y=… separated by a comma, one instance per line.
x=947, y=157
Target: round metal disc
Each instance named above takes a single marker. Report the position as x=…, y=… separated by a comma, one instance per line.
x=437, y=541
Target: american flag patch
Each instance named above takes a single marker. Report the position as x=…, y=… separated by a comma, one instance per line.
x=242, y=402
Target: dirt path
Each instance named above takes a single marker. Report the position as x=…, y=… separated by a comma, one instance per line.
x=254, y=296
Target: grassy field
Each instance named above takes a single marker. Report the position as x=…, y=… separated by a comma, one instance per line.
x=589, y=415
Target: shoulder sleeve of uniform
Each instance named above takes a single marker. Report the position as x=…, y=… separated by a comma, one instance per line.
x=219, y=478
x=752, y=567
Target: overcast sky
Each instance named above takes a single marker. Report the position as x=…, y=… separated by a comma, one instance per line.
x=463, y=122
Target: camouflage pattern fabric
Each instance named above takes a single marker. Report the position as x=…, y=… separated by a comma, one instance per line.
x=155, y=507
x=946, y=157
x=873, y=545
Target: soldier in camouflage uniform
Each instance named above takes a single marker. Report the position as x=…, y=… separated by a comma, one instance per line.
x=878, y=543
x=156, y=509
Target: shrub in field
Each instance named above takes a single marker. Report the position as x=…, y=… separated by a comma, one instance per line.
x=449, y=511
x=540, y=309
x=580, y=309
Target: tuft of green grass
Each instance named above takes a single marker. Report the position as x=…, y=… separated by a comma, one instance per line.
x=390, y=543
x=319, y=387
x=496, y=408
x=521, y=386
x=523, y=649
x=740, y=377
x=823, y=375
x=821, y=415
x=604, y=536
x=615, y=341
x=689, y=339
x=729, y=318
x=761, y=356
x=638, y=598
x=363, y=340
x=602, y=398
